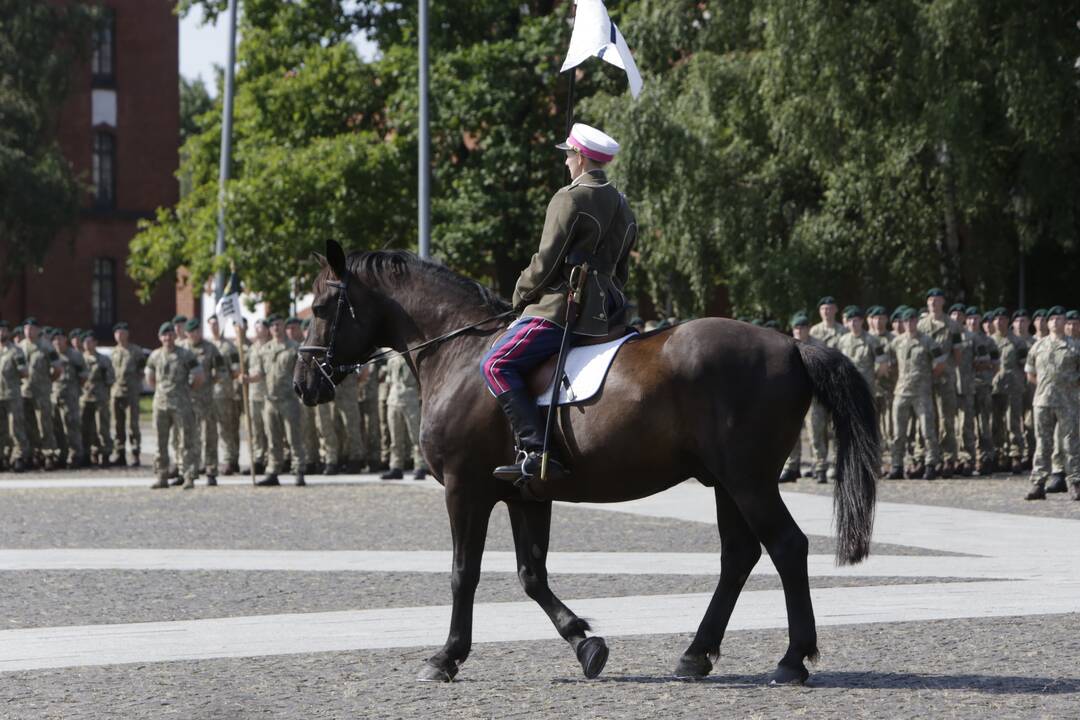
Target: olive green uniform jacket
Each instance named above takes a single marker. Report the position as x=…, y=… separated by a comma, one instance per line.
x=587, y=221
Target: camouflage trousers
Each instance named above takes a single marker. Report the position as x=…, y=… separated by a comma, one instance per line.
x=883, y=403
x=68, y=429
x=794, y=461
x=965, y=425
x=126, y=422
x=384, y=425
x=921, y=409
x=96, y=428
x=258, y=431
x=37, y=412
x=281, y=418
x=205, y=438
x=310, y=429
x=984, y=415
x=370, y=432
x=180, y=420
x=12, y=429
x=824, y=451
x=945, y=405
x=1008, y=424
x=340, y=430
x=228, y=428
x=1047, y=419
x=404, y=421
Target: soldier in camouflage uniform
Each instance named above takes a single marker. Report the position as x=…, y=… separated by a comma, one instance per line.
x=129, y=364
x=828, y=332
x=800, y=330
x=987, y=358
x=281, y=415
x=225, y=393
x=257, y=397
x=66, y=391
x=13, y=443
x=862, y=349
x=384, y=416
x=1054, y=368
x=946, y=335
x=965, y=392
x=43, y=366
x=202, y=400
x=94, y=403
x=1022, y=337
x=345, y=416
x=368, y=397
x=171, y=372
x=316, y=421
x=1008, y=399
x=403, y=408
x=879, y=328
x=918, y=362
x=1060, y=460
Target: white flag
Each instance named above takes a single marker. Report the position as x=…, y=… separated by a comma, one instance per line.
x=228, y=310
x=595, y=34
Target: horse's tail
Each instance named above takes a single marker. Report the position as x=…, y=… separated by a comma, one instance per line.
x=840, y=388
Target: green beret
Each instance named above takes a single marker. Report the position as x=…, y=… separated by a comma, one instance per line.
x=772, y=324
x=192, y=325
x=756, y=321
x=957, y=307
x=30, y=321
x=75, y=332
x=166, y=327
x=827, y=300
x=971, y=310
x=293, y=320
x=877, y=310
x=212, y=316
x=1021, y=313
x=120, y=326
x=799, y=320
x=1041, y=312
x=1000, y=312
x=265, y=322
x=1056, y=310
x=1072, y=315
x=273, y=318
x=179, y=319
x=743, y=318
x=89, y=335
x=935, y=292
x=908, y=314
x=988, y=316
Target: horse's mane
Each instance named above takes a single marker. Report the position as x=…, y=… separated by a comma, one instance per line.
x=395, y=265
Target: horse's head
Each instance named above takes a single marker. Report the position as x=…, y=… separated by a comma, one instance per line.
x=342, y=329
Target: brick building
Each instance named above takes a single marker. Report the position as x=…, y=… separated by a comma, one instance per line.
x=120, y=130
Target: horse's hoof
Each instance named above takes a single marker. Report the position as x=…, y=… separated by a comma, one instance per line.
x=693, y=667
x=786, y=675
x=592, y=653
x=431, y=673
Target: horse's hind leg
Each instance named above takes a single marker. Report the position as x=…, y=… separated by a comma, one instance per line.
x=739, y=552
x=531, y=523
x=766, y=514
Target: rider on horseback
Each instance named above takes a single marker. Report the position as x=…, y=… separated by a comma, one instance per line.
x=588, y=222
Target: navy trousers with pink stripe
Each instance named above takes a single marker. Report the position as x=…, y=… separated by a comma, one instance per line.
x=525, y=344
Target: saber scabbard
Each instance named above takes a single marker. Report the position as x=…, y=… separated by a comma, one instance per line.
x=578, y=274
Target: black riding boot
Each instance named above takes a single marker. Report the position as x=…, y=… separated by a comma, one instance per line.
x=524, y=415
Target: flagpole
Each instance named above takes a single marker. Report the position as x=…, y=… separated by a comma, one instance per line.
x=424, y=180
x=570, y=89
x=226, y=148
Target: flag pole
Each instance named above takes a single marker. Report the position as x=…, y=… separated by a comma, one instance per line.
x=226, y=148
x=241, y=338
x=570, y=89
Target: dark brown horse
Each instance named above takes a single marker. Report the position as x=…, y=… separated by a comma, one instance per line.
x=713, y=399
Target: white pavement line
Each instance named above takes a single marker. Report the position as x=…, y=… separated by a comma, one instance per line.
x=33, y=649
x=559, y=563
x=54, y=482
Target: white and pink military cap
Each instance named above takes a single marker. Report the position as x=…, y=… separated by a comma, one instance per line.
x=590, y=142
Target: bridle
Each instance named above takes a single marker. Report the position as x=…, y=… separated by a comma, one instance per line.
x=322, y=357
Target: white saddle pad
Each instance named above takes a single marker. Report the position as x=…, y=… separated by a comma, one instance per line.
x=586, y=368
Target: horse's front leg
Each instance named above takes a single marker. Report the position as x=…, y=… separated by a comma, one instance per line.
x=469, y=512
x=531, y=523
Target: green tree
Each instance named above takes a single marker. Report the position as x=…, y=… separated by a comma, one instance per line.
x=39, y=193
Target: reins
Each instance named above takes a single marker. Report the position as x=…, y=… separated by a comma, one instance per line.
x=326, y=366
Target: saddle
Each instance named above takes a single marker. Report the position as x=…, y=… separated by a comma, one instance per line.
x=587, y=363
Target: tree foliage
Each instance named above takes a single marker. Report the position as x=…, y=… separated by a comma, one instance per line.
x=39, y=193
x=780, y=149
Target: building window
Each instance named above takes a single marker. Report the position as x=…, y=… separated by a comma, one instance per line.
x=104, y=174
x=103, y=61
x=103, y=295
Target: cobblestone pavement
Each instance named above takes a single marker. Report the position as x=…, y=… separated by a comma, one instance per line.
x=1005, y=645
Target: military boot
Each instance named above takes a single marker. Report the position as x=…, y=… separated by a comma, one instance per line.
x=135, y=462
x=300, y=482
x=211, y=481
x=897, y=473
x=1037, y=491
x=160, y=483
x=524, y=415
x=1074, y=490
x=121, y=459
x=189, y=483
x=177, y=481
x=822, y=477
x=270, y=480
x=1057, y=483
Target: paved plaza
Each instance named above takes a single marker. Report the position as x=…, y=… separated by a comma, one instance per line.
x=324, y=601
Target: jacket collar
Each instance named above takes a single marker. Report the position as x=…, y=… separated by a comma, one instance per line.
x=592, y=178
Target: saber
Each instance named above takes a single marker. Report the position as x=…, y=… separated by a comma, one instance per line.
x=578, y=274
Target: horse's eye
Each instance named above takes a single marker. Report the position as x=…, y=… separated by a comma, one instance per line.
x=318, y=311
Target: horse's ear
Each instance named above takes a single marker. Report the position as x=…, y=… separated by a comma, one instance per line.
x=335, y=258
x=320, y=258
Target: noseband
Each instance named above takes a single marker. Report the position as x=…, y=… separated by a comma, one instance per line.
x=323, y=357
